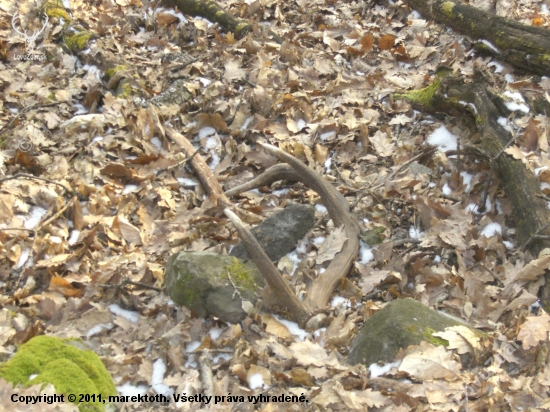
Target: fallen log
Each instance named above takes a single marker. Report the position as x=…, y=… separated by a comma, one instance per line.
x=450, y=94
x=524, y=47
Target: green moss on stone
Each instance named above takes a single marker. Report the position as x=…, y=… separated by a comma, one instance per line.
x=240, y=276
x=434, y=340
x=62, y=363
x=114, y=70
x=77, y=41
x=54, y=9
x=422, y=96
x=447, y=8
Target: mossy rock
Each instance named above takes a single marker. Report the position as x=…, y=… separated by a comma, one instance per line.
x=401, y=323
x=205, y=283
x=65, y=364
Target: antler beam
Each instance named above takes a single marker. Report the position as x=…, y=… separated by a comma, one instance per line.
x=338, y=208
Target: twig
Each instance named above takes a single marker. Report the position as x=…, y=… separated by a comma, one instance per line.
x=400, y=242
x=534, y=236
x=481, y=207
x=454, y=199
x=22, y=112
x=178, y=164
x=207, y=376
x=56, y=215
x=22, y=175
x=129, y=282
x=237, y=291
x=408, y=162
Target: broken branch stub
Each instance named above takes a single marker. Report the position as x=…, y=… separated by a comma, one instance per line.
x=322, y=287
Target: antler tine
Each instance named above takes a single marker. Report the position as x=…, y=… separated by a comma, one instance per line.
x=271, y=274
x=321, y=288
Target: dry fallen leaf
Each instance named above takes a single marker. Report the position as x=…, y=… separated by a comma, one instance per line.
x=535, y=329
x=332, y=245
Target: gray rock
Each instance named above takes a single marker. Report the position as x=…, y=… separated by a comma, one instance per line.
x=201, y=281
x=279, y=233
x=399, y=324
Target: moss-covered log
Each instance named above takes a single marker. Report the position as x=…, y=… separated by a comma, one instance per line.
x=524, y=47
x=450, y=94
x=212, y=11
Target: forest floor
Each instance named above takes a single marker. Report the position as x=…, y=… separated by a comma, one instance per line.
x=83, y=251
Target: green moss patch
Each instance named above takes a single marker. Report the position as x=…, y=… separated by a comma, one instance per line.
x=68, y=368
x=77, y=41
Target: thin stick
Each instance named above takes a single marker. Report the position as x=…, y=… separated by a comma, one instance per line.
x=25, y=176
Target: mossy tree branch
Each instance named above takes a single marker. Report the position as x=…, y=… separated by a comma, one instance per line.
x=524, y=47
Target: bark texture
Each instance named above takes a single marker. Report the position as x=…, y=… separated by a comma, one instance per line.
x=213, y=12
x=524, y=47
x=451, y=95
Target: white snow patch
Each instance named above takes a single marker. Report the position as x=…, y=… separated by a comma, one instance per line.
x=517, y=102
x=73, y=237
x=327, y=135
x=509, y=245
x=415, y=233
x=376, y=371
x=503, y=121
x=293, y=257
x=490, y=45
x=180, y=16
x=246, y=123
x=280, y=192
x=155, y=141
x=318, y=240
x=159, y=369
x=340, y=301
x=99, y=328
x=80, y=109
x=293, y=328
x=467, y=180
x=206, y=131
x=126, y=314
x=443, y=139
x=23, y=257
x=35, y=216
x=131, y=390
x=446, y=190
x=130, y=189
x=204, y=81
x=184, y=181
x=540, y=169
x=215, y=333
x=320, y=208
x=222, y=357
x=498, y=67
x=191, y=346
x=509, y=78
x=365, y=253
x=328, y=163
x=491, y=230
x=437, y=259
x=300, y=124
x=256, y=381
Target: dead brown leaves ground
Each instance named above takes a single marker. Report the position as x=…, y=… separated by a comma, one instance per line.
x=90, y=242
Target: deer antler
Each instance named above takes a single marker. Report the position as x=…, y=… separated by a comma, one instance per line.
x=338, y=208
x=29, y=40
